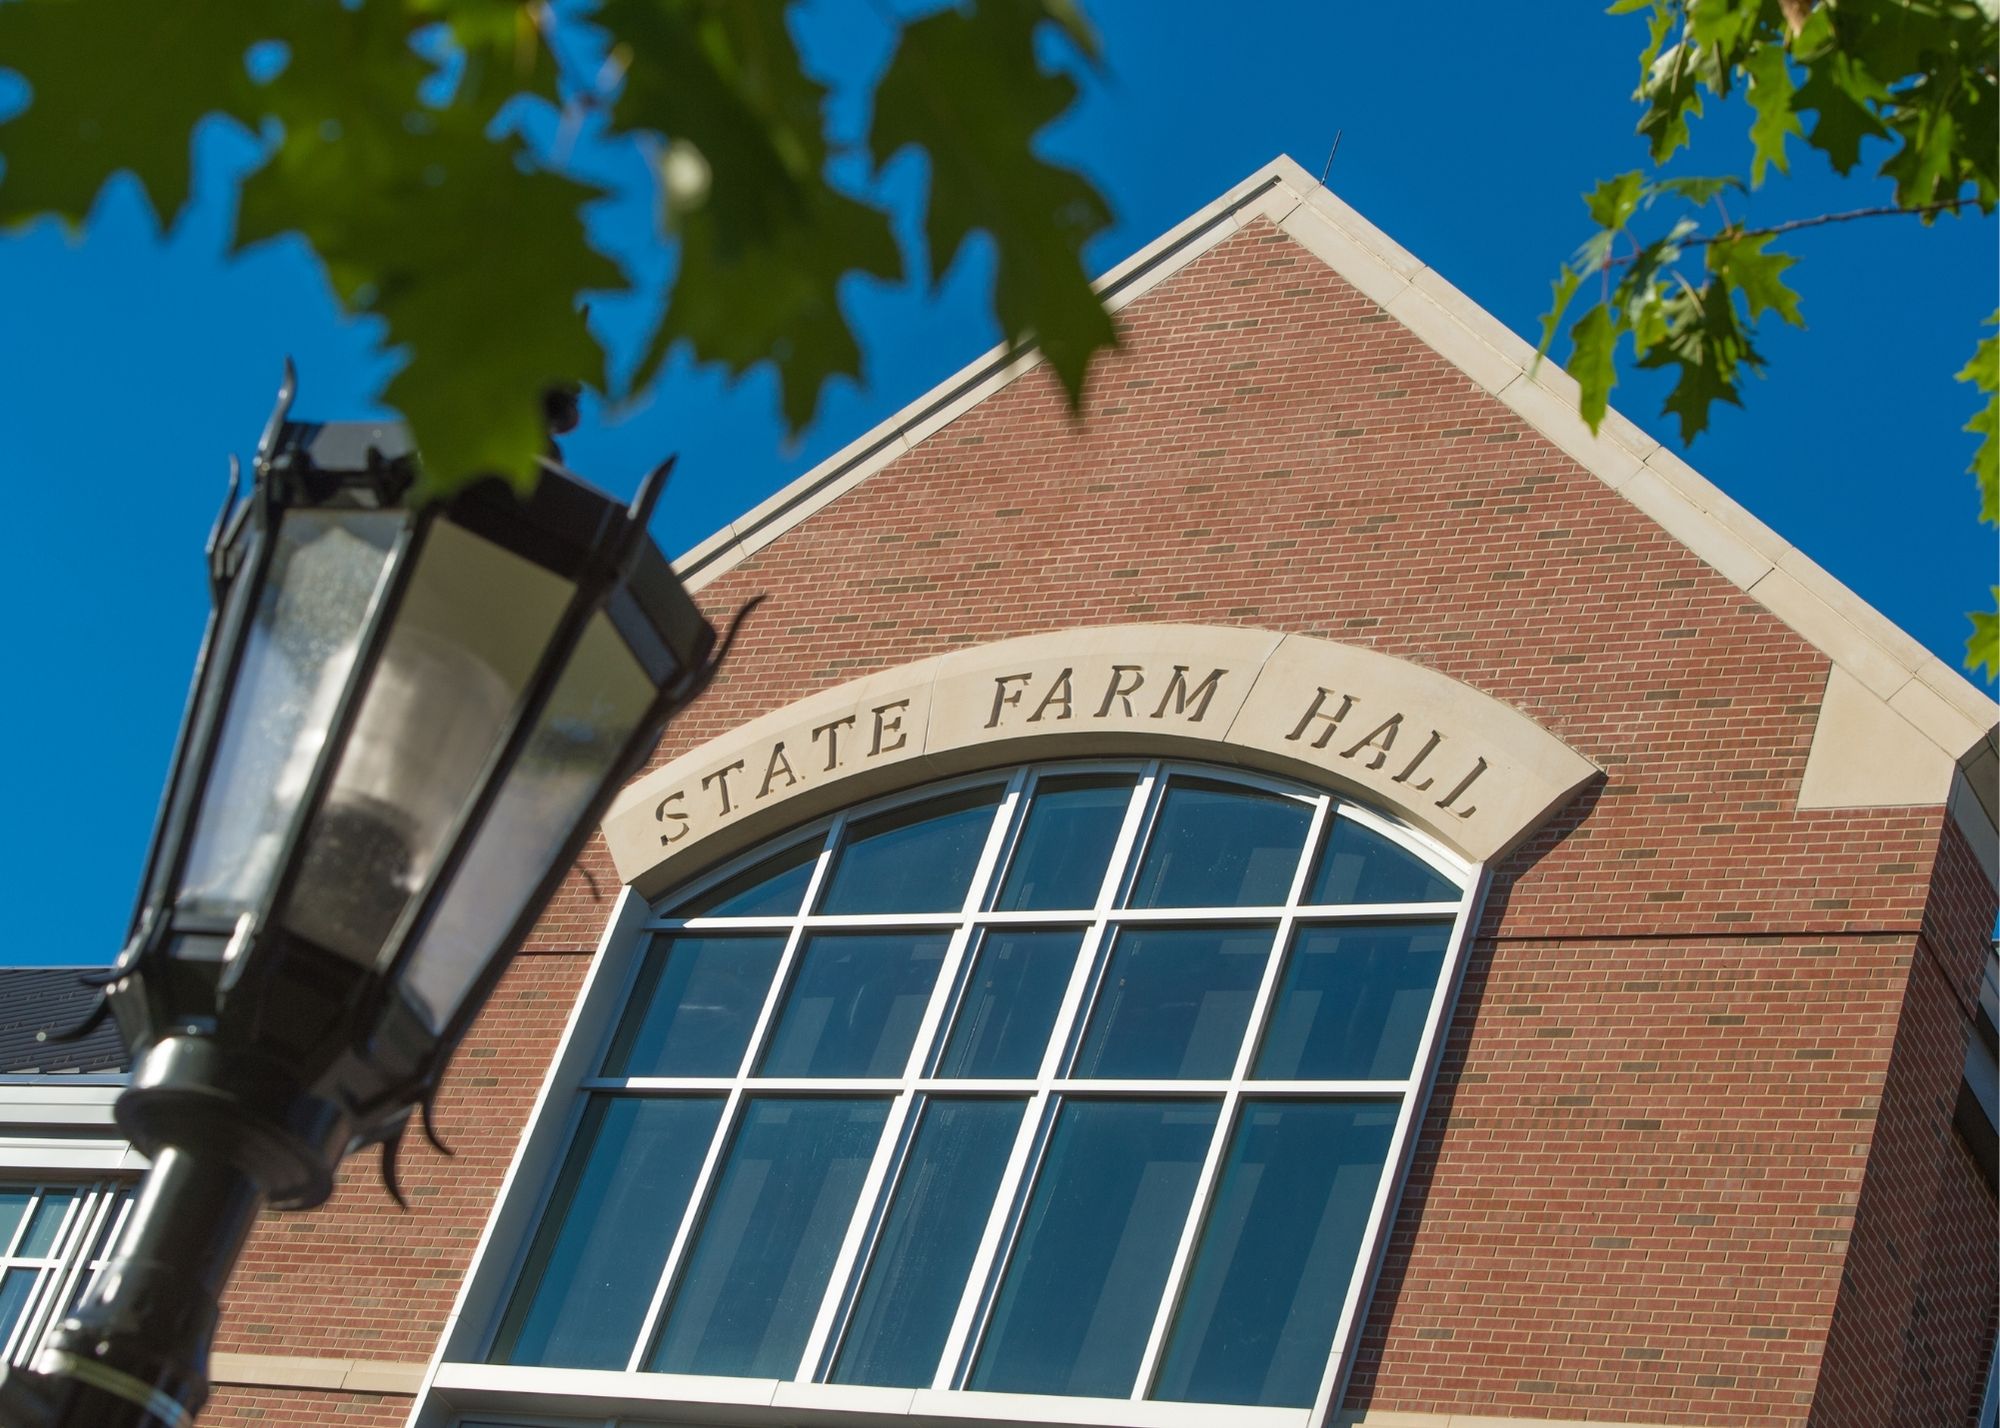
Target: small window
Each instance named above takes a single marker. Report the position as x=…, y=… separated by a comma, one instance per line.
x=1080, y=1083
x=53, y=1238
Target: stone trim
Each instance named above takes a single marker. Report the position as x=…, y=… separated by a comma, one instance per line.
x=296, y=1371
x=1470, y=770
x=1931, y=701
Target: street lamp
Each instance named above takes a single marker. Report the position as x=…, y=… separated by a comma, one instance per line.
x=404, y=723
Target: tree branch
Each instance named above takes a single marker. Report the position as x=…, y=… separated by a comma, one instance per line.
x=1731, y=233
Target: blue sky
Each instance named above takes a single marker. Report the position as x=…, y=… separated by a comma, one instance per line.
x=135, y=362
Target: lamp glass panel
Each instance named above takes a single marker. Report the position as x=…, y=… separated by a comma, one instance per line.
x=471, y=629
x=597, y=704
x=298, y=650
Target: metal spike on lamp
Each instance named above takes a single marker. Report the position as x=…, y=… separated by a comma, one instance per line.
x=404, y=722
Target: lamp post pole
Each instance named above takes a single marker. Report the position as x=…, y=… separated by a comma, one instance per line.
x=405, y=722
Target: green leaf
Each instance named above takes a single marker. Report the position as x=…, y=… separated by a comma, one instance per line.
x=505, y=44
x=1841, y=93
x=1705, y=343
x=764, y=240
x=1982, y=646
x=1983, y=372
x=1564, y=287
x=1593, y=341
x=1771, y=95
x=1698, y=190
x=967, y=87
x=1613, y=202
x=1742, y=263
x=387, y=192
x=117, y=86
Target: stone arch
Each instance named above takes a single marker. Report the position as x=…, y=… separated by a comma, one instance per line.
x=1468, y=769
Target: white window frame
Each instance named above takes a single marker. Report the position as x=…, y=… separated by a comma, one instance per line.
x=461, y=1383
x=89, y=1227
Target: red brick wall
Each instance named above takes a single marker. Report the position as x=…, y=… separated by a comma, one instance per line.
x=1915, y=1323
x=1632, y=1195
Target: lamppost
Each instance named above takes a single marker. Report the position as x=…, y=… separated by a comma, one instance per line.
x=405, y=720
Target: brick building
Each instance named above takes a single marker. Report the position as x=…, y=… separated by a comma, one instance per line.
x=1325, y=891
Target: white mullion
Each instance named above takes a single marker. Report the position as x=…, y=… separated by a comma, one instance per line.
x=1070, y=1012
x=1405, y=839
x=1389, y=1189
x=774, y=995
x=1170, y=1296
x=835, y=1297
x=982, y=1279
x=92, y=1206
x=684, y=1233
x=945, y=989
x=27, y=1217
x=48, y=1269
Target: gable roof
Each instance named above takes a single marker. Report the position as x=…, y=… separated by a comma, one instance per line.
x=1888, y=685
x=37, y=1000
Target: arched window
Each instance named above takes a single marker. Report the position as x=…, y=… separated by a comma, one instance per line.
x=1086, y=1081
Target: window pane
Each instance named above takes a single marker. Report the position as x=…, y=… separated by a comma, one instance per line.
x=1086, y=1277
x=1066, y=843
x=14, y=1291
x=1353, y=1002
x=1214, y=845
x=759, y=1267
x=905, y=1308
x=47, y=1223
x=605, y=1235
x=13, y=1205
x=915, y=859
x=1360, y=865
x=854, y=1004
x=774, y=888
x=694, y=1006
x=1174, y=1002
x=1010, y=1002
x=1263, y=1298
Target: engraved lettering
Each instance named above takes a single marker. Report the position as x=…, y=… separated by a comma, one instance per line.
x=1118, y=689
x=1180, y=696
x=1002, y=696
x=1059, y=695
x=892, y=725
x=1463, y=784
x=832, y=732
x=1381, y=739
x=720, y=778
x=1332, y=720
x=772, y=765
x=673, y=817
x=1425, y=752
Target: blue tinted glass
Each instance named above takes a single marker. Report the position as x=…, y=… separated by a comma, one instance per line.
x=694, y=1006
x=747, y=1300
x=14, y=1292
x=1218, y=846
x=854, y=1004
x=13, y=1205
x=1353, y=1002
x=1360, y=865
x=1086, y=1277
x=1284, y=1228
x=914, y=859
x=1066, y=844
x=774, y=888
x=906, y=1304
x=604, y=1237
x=1010, y=1002
x=47, y=1223
x=1174, y=1002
